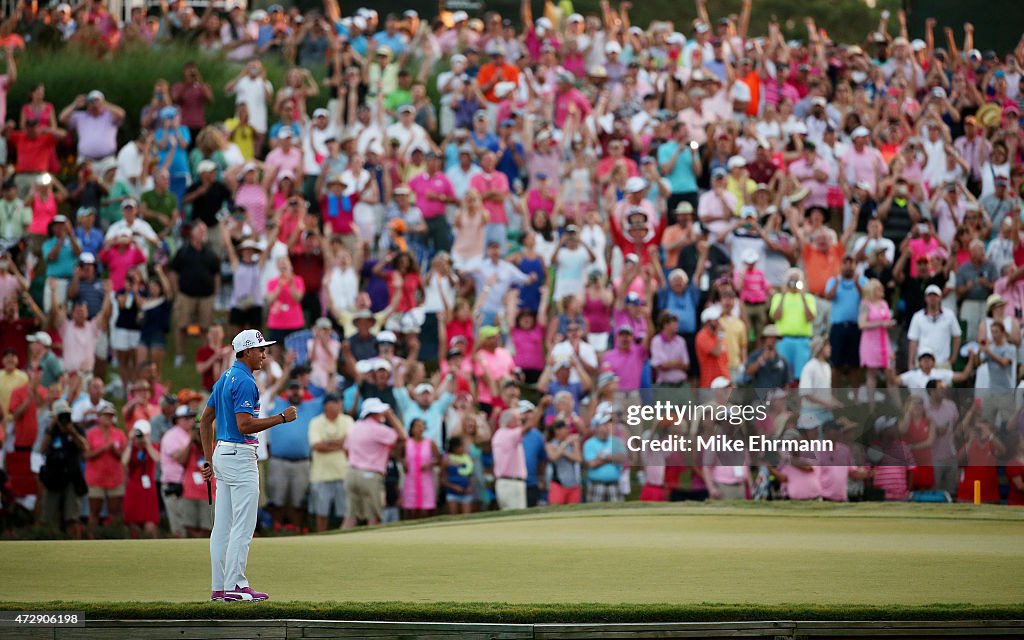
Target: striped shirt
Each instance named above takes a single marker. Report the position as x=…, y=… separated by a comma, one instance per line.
x=892, y=479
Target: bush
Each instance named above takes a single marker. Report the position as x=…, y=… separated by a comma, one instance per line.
x=127, y=78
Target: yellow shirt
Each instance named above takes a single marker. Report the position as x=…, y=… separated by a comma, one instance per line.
x=8, y=383
x=743, y=192
x=242, y=136
x=793, y=322
x=735, y=339
x=328, y=466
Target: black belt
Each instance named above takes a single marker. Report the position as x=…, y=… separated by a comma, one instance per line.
x=292, y=459
x=516, y=479
x=23, y=449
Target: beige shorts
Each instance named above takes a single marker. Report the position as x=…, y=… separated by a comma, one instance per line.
x=188, y=310
x=98, y=493
x=365, y=491
x=196, y=514
x=61, y=506
x=287, y=482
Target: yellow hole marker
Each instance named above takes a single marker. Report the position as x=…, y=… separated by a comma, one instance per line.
x=977, y=492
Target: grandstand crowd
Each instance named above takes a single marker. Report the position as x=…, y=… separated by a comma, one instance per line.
x=499, y=234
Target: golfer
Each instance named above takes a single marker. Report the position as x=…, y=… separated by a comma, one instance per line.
x=234, y=405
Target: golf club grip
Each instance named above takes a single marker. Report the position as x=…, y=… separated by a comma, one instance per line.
x=209, y=492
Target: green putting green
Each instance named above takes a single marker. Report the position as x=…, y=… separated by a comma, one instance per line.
x=745, y=554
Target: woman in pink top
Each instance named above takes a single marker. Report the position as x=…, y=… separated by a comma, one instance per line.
x=249, y=193
x=284, y=294
x=121, y=257
x=875, y=320
x=46, y=195
x=527, y=336
x=39, y=109
x=286, y=190
x=323, y=356
x=419, y=494
x=597, y=310
x=541, y=197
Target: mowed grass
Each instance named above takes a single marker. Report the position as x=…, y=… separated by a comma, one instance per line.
x=758, y=555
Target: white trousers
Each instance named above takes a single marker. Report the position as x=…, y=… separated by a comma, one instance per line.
x=238, y=494
x=511, y=494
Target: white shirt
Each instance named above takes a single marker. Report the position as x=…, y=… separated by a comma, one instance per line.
x=314, y=143
x=253, y=92
x=934, y=334
x=917, y=379
x=409, y=137
x=563, y=351
x=438, y=294
x=816, y=382
x=343, y=287
x=129, y=162
x=142, y=230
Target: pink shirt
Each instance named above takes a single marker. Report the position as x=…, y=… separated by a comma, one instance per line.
x=626, y=365
x=862, y=166
x=802, y=484
x=563, y=102
x=509, y=459
x=253, y=199
x=496, y=181
x=498, y=365
x=368, y=445
x=919, y=247
x=438, y=184
x=173, y=442
x=529, y=345
x=105, y=470
x=79, y=345
x=119, y=263
x=755, y=287
x=834, y=472
x=291, y=160
x=804, y=172
x=286, y=312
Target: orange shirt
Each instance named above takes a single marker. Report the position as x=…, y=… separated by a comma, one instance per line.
x=819, y=266
x=753, y=81
x=710, y=366
x=510, y=73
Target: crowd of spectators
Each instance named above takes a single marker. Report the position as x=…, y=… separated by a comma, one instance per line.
x=469, y=292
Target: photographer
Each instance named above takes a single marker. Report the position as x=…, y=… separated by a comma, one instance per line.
x=793, y=312
x=174, y=452
x=61, y=474
x=141, y=505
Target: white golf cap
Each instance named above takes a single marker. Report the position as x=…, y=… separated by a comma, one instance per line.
x=807, y=422
x=381, y=363
x=613, y=47
x=373, y=406
x=544, y=23
x=860, y=132
x=423, y=387
x=750, y=257
x=250, y=339
x=575, y=17
x=918, y=44
x=933, y=289
x=460, y=16
x=502, y=89
x=711, y=313
x=41, y=337
x=95, y=94
x=143, y=426
x=721, y=382
x=321, y=112
x=206, y=165
x=635, y=185
x=87, y=257
x=387, y=336
x=737, y=162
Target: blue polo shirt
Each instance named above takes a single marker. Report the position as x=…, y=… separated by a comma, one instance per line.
x=234, y=392
x=846, y=304
x=533, y=448
x=291, y=440
x=432, y=416
x=593, y=449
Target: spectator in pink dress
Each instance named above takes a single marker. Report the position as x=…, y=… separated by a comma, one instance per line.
x=419, y=493
x=875, y=319
x=284, y=296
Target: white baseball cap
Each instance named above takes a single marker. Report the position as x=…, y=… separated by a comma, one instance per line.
x=635, y=184
x=933, y=289
x=721, y=382
x=373, y=406
x=387, y=336
x=41, y=337
x=423, y=387
x=250, y=339
x=143, y=426
x=860, y=132
x=711, y=313
x=750, y=256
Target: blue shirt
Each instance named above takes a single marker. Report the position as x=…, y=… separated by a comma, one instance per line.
x=396, y=42
x=846, y=304
x=90, y=242
x=681, y=177
x=291, y=440
x=683, y=305
x=64, y=265
x=488, y=141
x=432, y=416
x=594, y=449
x=575, y=388
x=507, y=162
x=234, y=392
x=179, y=161
x=533, y=447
